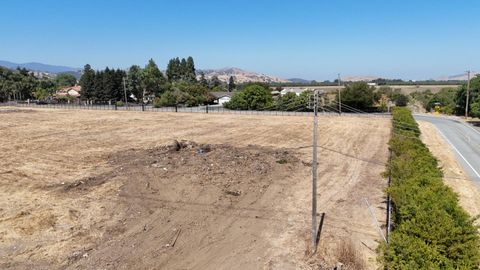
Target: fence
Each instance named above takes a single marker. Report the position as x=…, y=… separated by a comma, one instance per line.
x=199, y=109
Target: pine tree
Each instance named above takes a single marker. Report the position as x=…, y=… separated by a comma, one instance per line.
x=231, y=84
x=87, y=82
x=183, y=69
x=97, y=93
x=134, y=78
x=190, y=70
x=203, y=81
x=153, y=79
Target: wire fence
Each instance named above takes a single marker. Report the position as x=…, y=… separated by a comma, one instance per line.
x=213, y=109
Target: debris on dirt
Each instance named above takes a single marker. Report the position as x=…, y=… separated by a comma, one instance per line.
x=234, y=192
x=282, y=161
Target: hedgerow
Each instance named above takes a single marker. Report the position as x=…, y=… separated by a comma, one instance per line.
x=431, y=230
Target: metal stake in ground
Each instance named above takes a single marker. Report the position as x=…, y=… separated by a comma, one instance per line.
x=314, y=171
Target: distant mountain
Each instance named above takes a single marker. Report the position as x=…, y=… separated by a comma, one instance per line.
x=241, y=76
x=40, y=67
x=299, y=80
x=458, y=77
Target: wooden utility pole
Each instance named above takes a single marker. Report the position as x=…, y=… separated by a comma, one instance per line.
x=339, y=96
x=468, y=93
x=314, y=171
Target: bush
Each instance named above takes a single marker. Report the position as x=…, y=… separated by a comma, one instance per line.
x=358, y=95
x=120, y=104
x=431, y=230
x=253, y=97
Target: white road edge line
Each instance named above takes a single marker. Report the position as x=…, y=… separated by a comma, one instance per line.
x=458, y=152
x=470, y=126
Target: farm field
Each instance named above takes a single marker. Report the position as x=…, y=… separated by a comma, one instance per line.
x=114, y=190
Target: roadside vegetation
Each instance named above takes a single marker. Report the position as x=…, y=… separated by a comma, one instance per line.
x=452, y=100
x=431, y=230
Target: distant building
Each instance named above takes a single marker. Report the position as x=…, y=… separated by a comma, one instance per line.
x=71, y=91
x=372, y=84
x=221, y=97
x=296, y=90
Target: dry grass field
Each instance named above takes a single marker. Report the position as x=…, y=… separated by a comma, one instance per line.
x=109, y=190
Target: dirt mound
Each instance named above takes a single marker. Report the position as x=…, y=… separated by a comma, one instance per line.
x=187, y=205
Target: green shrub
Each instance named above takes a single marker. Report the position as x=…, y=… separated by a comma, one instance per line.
x=120, y=104
x=431, y=230
x=253, y=97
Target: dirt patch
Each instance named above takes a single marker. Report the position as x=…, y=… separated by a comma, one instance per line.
x=184, y=199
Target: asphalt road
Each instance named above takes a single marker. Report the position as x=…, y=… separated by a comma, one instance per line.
x=464, y=140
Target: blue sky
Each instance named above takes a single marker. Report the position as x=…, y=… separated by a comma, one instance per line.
x=307, y=39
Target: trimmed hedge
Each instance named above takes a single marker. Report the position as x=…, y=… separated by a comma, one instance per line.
x=431, y=230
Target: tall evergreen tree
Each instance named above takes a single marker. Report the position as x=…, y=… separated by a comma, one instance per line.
x=98, y=88
x=183, y=69
x=87, y=82
x=153, y=79
x=134, y=79
x=190, y=75
x=203, y=81
x=231, y=84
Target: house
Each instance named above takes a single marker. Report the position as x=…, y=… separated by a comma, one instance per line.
x=221, y=97
x=71, y=91
x=296, y=90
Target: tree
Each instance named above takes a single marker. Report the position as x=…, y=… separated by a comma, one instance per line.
x=65, y=80
x=400, y=99
x=190, y=75
x=253, y=97
x=173, y=70
x=183, y=69
x=98, y=86
x=134, y=80
x=358, y=95
x=231, y=84
x=214, y=81
x=203, y=82
x=87, y=82
x=474, y=96
x=152, y=79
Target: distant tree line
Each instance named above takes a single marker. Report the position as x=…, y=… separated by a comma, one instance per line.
x=178, y=86
x=21, y=84
x=358, y=95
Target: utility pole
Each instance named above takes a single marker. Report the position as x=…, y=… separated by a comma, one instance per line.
x=468, y=93
x=314, y=171
x=339, y=96
x=125, y=91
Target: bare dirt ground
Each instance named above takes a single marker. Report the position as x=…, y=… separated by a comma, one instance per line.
x=454, y=176
x=109, y=190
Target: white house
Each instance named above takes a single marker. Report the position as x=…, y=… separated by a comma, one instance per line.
x=221, y=97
